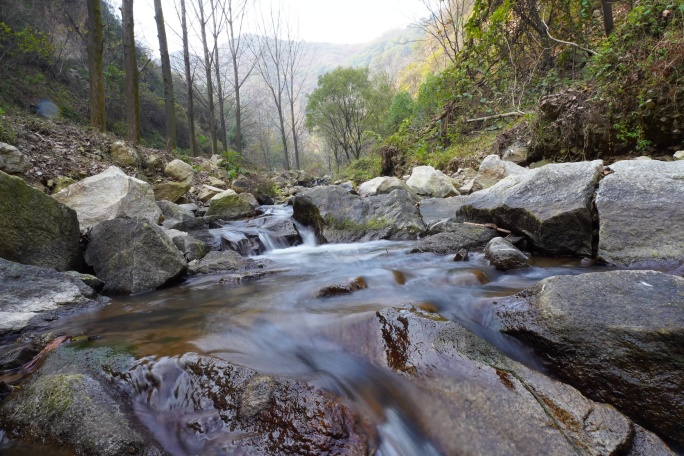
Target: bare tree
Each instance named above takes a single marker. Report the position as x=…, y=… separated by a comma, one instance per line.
x=271, y=64
x=295, y=75
x=95, y=48
x=169, y=101
x=445, y=23
x=217, y=7
x=189, y=78
x=235, y=13
x=131, y=68
x=204, y=19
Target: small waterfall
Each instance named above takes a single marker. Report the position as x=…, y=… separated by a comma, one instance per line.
x=308, y=235
x=271, y=242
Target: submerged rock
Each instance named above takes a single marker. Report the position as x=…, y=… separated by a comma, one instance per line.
x=35, y=229
x=132, y=256
x=550, y=205
x=109, y=195
x=641, y=214
x=504, y=256
x=342, y=288
x=617, y=336
x=227, y=261
x=338, y=216
x=32, y=297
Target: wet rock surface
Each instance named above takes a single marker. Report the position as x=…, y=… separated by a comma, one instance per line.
x=617, y=336
x=550, y=205
x=477, y=401
x=639, y=205
x=35, y=229
x=132, y=256
x=504, y=256
x=435, y=210
x=32, y=297
x=227, y=261
x=220, y=408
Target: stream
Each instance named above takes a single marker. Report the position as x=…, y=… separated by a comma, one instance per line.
x=278, y=325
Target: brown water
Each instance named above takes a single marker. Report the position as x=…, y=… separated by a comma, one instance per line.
x=278, y=325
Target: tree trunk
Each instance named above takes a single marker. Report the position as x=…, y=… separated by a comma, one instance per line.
x=188, y=77
x=131, y=68
x=169, y=102
x=607, y=16
x=95, y=47
x=220, y=94
x=295, y=135
x=210, y=85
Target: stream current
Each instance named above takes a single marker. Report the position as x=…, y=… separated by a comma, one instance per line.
x=278, y=325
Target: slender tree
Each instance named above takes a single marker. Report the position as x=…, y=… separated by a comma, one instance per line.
x=169, y=101
x=189, y=78
x=95, y=47
x=295, y=74
x=217, y=24
x=208, y=66
x=131, y=69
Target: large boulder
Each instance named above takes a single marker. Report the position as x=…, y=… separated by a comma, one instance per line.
x=12, y=161
x=32, y=297
x=207, y=192
x=492, y=170
x=474, y=400
x=616, y=336
x=191, y=248
x=550, y=205
x=35, y=229
x=371, y=187
x=170, y=191
x=426, y=180
x=179, y=218
x=338, y=216
x=229, y=205
x=437, y=210
x=133, y=256
x=640, y=208
x=180, y=171
x=381, y=186
x=109, y=195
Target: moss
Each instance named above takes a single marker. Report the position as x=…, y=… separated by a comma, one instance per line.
x=356, y=227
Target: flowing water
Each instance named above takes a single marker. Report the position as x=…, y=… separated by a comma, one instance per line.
x=278, y=324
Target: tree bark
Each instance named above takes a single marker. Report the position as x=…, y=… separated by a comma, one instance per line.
x=607, y=7
x=220, y=93
x=131, y=69
x=210, y=84
x=169, y=102
x=188, y=77
x=95, y=47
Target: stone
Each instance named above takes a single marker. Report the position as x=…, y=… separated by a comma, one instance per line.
x=124, y=155
x=390, y=184
x=504, y=256
x=227, y=261
x=31, y=297
x=216, y=182
x=153, y=163
x=435, y=210
x=241, y=185
x=191, y=248
x=348, y=186
x=282, y=232
x=426, y=180
x=338, y=216
x=35, y=229
x=90, y=280
x=61, y=182
x=207, y=192
x=229, y=205
x=492, y=170
x=517, y=153
x=342, y=288
x=616, y=336
x=371, y=187
x=461, y=255
x=12, y=161
x=463, y=237
x=551, y=206
x=133, y=256
x=75, y=409
x=180, y=171
x=177, y=217
x=639, y=205
x=474, y=400
x=170, y=191
x=109, y=195
x=679, y=155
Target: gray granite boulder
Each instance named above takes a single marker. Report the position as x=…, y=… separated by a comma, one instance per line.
x=426, y=180
x=12, y=161
x=504, y=256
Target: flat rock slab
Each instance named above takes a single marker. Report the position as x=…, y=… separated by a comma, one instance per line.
x=641, y=214
x=550, y=205
x=617, y=336
x=32, y=297
x=463, y=237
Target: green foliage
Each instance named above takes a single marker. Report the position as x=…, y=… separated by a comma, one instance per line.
x=231, y=161
x=28, y=45
x=400, y=110
x=362, y=169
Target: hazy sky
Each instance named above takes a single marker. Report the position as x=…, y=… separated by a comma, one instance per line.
x=334, y=21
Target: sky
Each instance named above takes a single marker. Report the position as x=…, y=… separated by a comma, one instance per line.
x=332, y=21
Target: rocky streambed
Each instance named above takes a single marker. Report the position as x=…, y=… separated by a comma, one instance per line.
x=510, y=321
